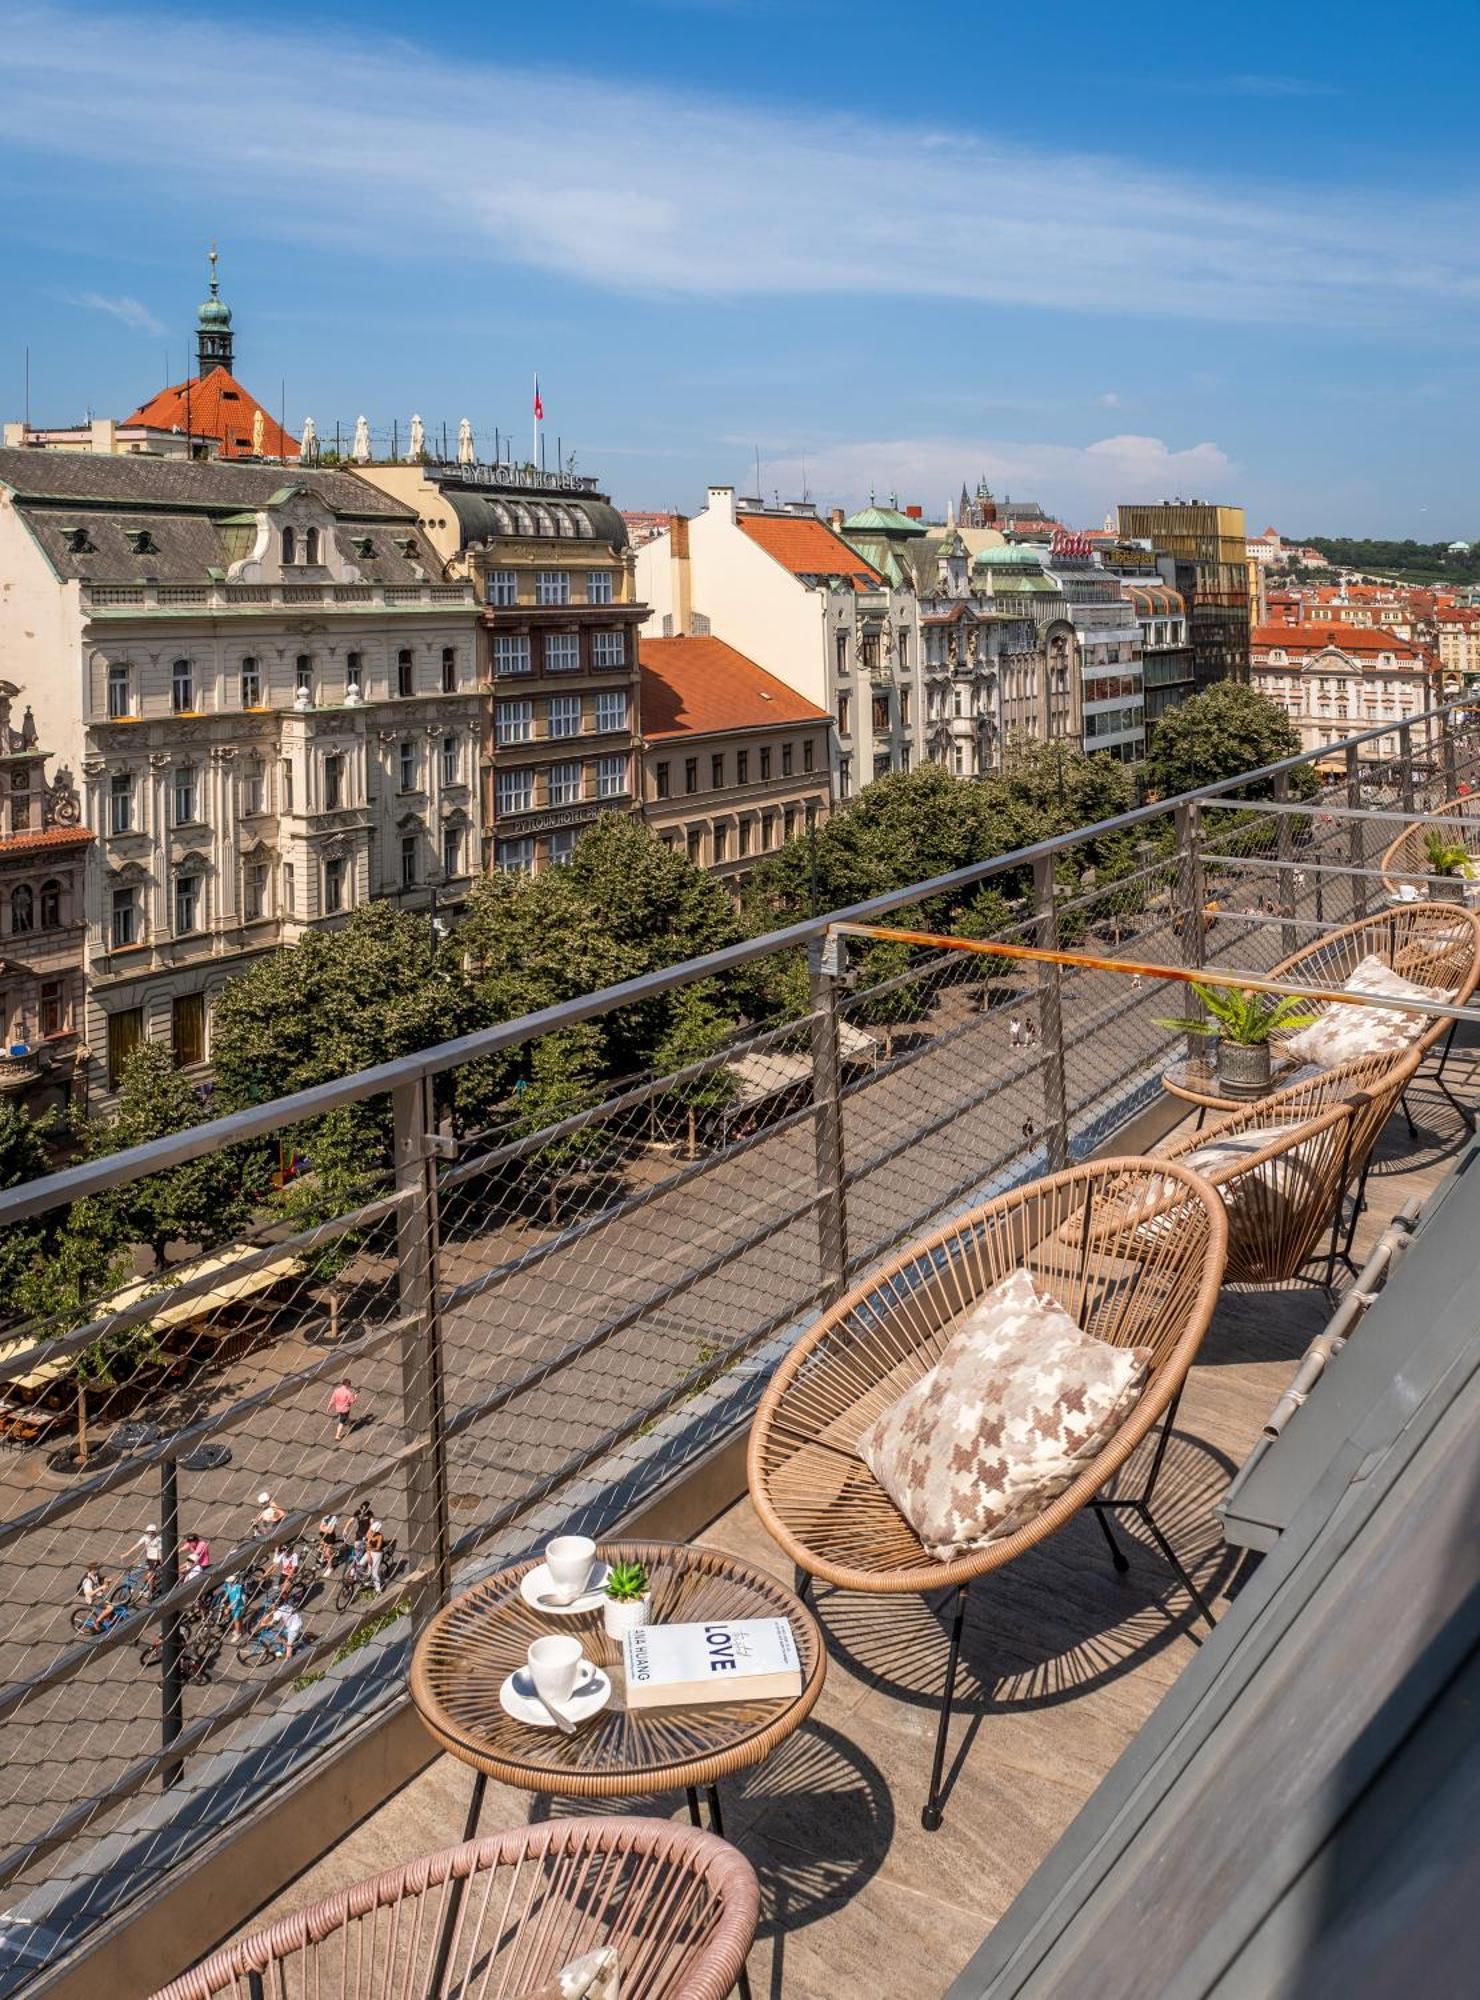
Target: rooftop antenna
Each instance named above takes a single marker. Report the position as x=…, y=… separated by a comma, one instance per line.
x=26, y=421
x=282, y=412
x=805, y=494
x=758, y=493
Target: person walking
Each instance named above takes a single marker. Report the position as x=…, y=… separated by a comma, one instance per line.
x=268, y=1514
x=375, y=1553
x=288, y=1622
x=341, y=1401
x=235, y=1596
x=1015, y=1032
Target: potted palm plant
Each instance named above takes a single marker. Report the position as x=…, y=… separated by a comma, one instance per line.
x=629, y=1599
x=1243, y=1023
x=1449, y=867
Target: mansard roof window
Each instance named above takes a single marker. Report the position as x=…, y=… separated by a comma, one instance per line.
x=142, y=542
x=363, y=545
x=79, y=543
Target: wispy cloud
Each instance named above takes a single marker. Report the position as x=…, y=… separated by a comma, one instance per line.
x=1080, y=482
x=1110, y=400
x=673, y=193
x=128, y=310
x=1278, y=86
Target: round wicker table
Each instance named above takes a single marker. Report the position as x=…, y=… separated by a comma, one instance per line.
x=473, y=1644
x=1195, y=1080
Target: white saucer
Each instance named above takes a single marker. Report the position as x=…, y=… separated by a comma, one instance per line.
x=589, y=1699
x=536, y=1585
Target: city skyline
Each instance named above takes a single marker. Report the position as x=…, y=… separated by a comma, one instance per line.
x=718, y=230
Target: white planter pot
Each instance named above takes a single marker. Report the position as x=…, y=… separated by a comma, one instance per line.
x=622, y=1615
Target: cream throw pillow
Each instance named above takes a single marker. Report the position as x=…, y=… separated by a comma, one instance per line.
x=1342, y=1034
x=1020, y=1402
x=592, y=1976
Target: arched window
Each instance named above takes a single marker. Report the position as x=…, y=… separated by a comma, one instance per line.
x=310, y=545
x=51, y=906
x=22, y=910
x=290, y=546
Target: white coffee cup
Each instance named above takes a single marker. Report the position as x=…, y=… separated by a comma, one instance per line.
x=569, y=1559
x=556, y=1666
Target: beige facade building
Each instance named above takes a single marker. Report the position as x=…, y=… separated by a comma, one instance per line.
x=547, y=555
x=735, y=762
x=269, y=696
x=1458, y=638
x=1334, y=682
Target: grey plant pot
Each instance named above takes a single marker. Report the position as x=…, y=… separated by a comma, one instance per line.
x=1243, y=1067
x=1447, y=888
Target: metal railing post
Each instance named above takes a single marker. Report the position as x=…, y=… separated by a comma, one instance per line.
x=1405, y=765
x=827, y=962
x=1190, y=896
x=1284, y=854
x=171, y=1682
x=1051, y=1019
x=1446, y=748
x=1356, y=845
x=418, y=1240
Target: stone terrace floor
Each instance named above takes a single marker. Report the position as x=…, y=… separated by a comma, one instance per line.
x=1063, y=1662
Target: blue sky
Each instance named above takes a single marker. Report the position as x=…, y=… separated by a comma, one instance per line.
x=1098, y=252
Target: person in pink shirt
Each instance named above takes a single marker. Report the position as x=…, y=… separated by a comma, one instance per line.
x=341, y=1401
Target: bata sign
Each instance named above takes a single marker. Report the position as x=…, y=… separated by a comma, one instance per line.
x=1065, y=544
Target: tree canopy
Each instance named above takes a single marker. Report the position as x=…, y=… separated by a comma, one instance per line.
x=1227, y=729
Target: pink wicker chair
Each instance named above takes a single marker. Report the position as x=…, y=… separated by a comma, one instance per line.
x=678, y=1906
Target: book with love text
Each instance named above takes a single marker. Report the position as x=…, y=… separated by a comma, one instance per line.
x=733, y=1659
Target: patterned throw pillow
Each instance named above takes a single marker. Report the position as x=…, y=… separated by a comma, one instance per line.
x=1342, y=1034
x=593, y=1976
x=1019, y=1403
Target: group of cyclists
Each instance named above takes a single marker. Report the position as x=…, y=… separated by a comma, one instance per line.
x=260, y=1607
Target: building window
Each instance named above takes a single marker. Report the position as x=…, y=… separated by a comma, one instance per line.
x=808, y=753
x=335, y=871
x=790, y=827
x=333, y=782
x=119, y=702
x=310, y=545
x=845, y=713
x=287, y=784
x=22, y=910
x=767, y=834
x=611, y=710
x=187, y=903
x=503, y=587
x=449, y=670
x=405, y=673
x=251, y=683
x=449, y=760
x=721, y=841
x=120, y=802
x=408, y=860
x=406, y=767
x=516, y=857
x=564, y=714
x=188, y=1029
x=182, y=687
x=452, y=842
x=184, y=795
x=845, y=777
x=745, y=825
x=562, y=652
x=691, y=774
x=514, y=790
x=609, y=649
x=51, y=906
x=511, y=653
x=840, y=642
x=742, y=767
x=904, y=756
x=765, y=763
x=903, y=645
x=560, y=847
x=254, y=891
x=598, y=586
x=53, y=1009
x=717, y=771
x=290, y=899
x=787, y=759
x=611, y=777
x=696, y=846
x=123, y=927
x=352, y=678
x=552, y=586
x=660, y=781
x=125, y=1032
x=303, y=674
x=565, y=784
x=290, y=546
x=904, y=708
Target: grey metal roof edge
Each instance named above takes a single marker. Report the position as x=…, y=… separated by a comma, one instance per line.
x=1338, y=1509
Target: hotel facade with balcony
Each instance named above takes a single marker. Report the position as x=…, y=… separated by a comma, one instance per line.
x=1333, y=681
x=269, y=696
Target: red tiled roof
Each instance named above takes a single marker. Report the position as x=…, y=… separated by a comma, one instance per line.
x=702, y=687
x=1310, y=638
x=809, y=548
x=51, y=836
x=218, y=407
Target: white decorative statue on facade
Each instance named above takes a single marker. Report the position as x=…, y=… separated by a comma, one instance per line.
x=360, y=452
x=308, y=444
x=465, y=452
x=259, y=433
x=418, y=447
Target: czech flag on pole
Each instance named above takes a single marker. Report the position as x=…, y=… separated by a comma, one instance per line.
x=539, y=408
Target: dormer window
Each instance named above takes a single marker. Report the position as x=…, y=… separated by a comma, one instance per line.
x=290, y=547
x=406, y=544
x=79, y=543
x=142, y=542
x=310, y=545
x=363, y=545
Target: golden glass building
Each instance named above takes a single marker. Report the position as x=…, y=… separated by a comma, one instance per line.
x=1209, y=546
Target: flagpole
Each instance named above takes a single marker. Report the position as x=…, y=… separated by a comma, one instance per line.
x=534, y=458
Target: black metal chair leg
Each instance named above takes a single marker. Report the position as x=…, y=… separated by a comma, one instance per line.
x=1408, y=1115
x=695, y=1818
x=717, y=1825
x=804, y=1584
x=930, y=1817
x=455, y=1893
x=1118, y=1555
x=1182, y=1577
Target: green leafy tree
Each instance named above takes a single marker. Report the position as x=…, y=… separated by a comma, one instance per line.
x=1225, y=730
x=564, y=1079
x=23, y=1157
x=699, y=1026
x=60, y=1290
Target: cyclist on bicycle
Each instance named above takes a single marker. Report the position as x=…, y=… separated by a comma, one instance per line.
x=287, y=1624
x=92, y=1585
x=268, y=1514
x=328, y=1542
x=234, y=1597
x=195, y=1557
x=363, y=1514
x=375, y=1553
x=284, y=1571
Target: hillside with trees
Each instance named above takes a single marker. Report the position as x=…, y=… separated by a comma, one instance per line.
x=1406, y=562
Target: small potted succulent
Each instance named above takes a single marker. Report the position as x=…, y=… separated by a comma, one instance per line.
x=1449, y=868
x=629, y=1599
x=1243, y=1023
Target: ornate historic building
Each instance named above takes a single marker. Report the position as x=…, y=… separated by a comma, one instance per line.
x=43, y=851
x=270, y=695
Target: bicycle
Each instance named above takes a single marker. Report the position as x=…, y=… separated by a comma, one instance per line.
x=199, y=1646
x=356, y=1581
x=93, y=1620
x=141, y=1580
x=262, y=1648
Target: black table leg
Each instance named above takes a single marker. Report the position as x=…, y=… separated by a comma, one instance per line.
x=717, y=1825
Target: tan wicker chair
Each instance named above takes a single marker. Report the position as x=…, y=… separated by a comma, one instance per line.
x=1283, y=1199
x=812, y=1490
x=679, y=1906
x=1459, y=821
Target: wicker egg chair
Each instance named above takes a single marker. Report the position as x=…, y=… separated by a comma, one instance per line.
x=1404, y=858
x=678, y=1906
x=1284, y=1198
x=817, y=1497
